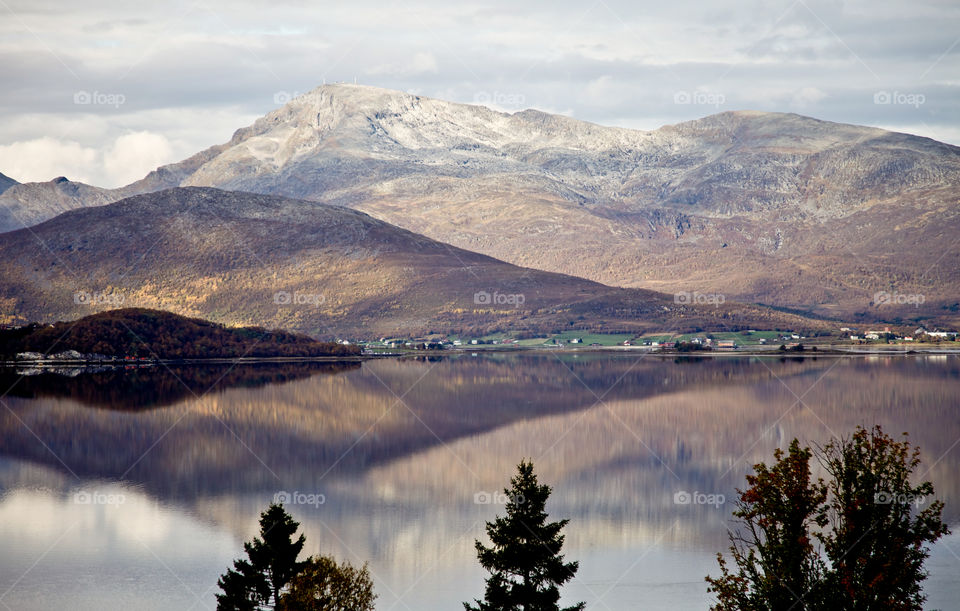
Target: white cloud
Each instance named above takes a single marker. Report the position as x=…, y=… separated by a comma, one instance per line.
x=45, y=158
x=129, y=157
x=807, y=96
x=419, y=63
x=194, y=73
x=133, y=155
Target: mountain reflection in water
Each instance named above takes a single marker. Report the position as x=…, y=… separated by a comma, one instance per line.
x=399, y=449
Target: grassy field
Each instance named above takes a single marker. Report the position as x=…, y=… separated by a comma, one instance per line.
x=586, y=339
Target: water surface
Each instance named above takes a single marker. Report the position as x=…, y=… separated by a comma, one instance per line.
x=135, y=488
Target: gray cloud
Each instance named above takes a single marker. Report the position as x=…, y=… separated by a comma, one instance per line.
x=191, y=73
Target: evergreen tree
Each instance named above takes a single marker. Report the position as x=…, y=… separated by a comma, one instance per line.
x=271, y=563
x=524, y=561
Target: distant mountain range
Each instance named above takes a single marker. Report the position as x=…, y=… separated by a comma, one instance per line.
x=248, y=259
x=780, y=209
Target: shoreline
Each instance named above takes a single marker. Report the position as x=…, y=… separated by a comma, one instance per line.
x=832, y=351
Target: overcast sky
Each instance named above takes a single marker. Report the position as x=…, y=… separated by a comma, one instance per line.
x=105, y=90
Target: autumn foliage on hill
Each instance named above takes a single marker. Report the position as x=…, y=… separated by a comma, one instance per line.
x=156, y=334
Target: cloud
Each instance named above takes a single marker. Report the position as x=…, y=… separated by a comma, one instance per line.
x=133, y=155
x=45, y=158
x=193, y=73
x=128, y=158
x=419, y=63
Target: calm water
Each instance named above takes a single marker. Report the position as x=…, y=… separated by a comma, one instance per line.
x=135, y=489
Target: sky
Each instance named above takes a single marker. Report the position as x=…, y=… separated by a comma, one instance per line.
x=103, y=91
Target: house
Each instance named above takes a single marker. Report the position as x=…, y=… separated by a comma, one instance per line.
x=763, y=340
x=474, y=342
x=727, y=343
x=872, y=335
x=575, y=340
x=855, y=338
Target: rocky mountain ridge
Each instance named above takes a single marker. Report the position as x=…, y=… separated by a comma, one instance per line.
x=767, y=207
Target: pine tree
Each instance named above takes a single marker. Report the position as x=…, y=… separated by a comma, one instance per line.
x=524, y=561
x=270, y=565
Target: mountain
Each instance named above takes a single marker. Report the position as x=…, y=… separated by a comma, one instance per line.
x=246, y=259
x=774, y=208
x=147, y=386
x=6, y=182
x=155, y=334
